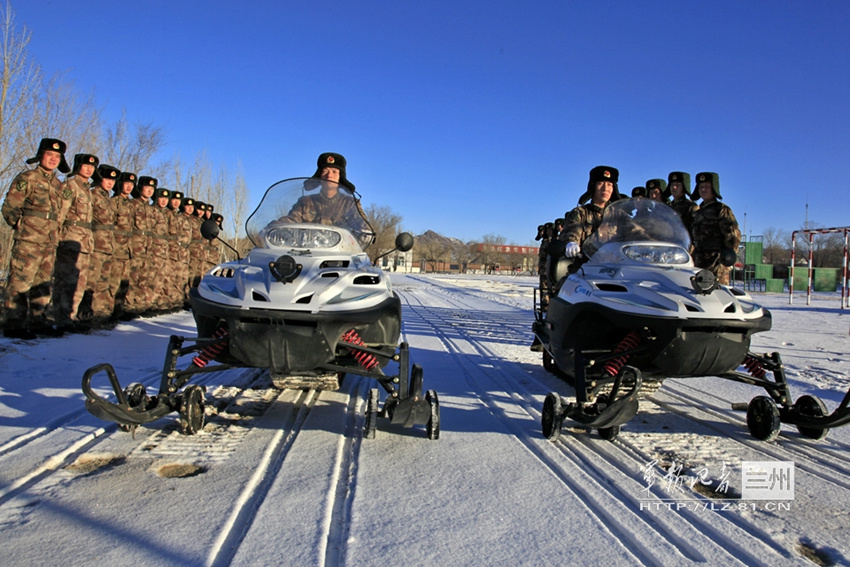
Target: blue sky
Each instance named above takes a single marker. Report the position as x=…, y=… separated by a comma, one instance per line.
x=482, y=117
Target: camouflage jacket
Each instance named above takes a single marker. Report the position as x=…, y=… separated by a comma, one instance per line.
x=142, y=226
x=715, y=228
x=33, y=206
x=686, y=209
x=103, y=220
x=339, y=210
x=581, y=222
x=123, y=226
x=160, y=236
x=77, y=224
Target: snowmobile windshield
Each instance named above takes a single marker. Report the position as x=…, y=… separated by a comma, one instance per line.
x=641, y=220
x=303, y=213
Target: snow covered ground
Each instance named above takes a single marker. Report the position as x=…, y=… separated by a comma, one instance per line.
x=285, y=477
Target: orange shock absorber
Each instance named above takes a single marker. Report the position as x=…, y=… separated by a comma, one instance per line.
x=364, y=359
x=754, y=367
x=210, y=351
x=630, y=341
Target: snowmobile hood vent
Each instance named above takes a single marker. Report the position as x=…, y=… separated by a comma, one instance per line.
x=611, y=287
x=334, y=264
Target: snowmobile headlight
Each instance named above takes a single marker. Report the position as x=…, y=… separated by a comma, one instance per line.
x=296, y=237
x=654, y=254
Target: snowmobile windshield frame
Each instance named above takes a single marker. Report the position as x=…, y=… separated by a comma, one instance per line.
x=307, y=201
x=638, y=220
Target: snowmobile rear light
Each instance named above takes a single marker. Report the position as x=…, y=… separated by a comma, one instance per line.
x=297, y=237
x=655, y=254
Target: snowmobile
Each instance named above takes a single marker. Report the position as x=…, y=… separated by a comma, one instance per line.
x=633, y=310
x=306, y=303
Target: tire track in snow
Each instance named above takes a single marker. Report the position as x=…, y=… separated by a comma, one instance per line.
x=593, y=494
x=293, y=412
x=584, y=453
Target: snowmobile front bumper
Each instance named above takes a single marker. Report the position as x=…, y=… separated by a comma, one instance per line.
x=288, y=341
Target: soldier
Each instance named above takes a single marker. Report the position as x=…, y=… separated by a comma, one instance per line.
x=679, y=187
x=583, y=221
x=329, y=206
x=119, y=277
x=32, y=208
x=197, y=247
x=158, y=252
x=139, y=293
x=178, y=252
x=715, y=230
x=75, y=245
x=655, y=190
x=187, y=207
x=104, y=212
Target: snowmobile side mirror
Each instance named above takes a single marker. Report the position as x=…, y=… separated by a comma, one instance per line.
x=728, y=257
x=404, y=242
x=209, y=229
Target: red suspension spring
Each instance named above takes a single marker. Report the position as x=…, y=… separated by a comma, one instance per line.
x=754, y=367
x=630, y=341
x=210, y=351
x=364, y=359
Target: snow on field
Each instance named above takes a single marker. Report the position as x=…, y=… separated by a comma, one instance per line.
x=285, y=477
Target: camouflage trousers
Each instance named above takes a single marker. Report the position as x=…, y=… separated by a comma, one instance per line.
x=176, y=287
x=158, y=297
x=69, y=281
x=28, y=289
x=101, y=284
x=138, y=291
x=119, y=280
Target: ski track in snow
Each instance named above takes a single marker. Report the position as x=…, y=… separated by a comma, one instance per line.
x=582, y=473
x=285, y=437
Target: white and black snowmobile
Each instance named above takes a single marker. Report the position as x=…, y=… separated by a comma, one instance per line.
x=634, y=310
x=306, y=303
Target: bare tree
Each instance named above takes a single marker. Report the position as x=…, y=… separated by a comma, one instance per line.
x=62, y=112
x=20, y=83
x=131, y=148
x=432, y=248
x=386, y=224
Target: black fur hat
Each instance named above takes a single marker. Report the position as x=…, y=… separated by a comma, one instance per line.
x=105, y=171
x=187, y=201
x=639, y=191
x=144, y=181
x=84, y=159
x=601, y=173
x=161, y=192
x=707, y=176
x=330, y=159
x=680, y=177
x=175, y=195
x=125, y=177
x=54, y=145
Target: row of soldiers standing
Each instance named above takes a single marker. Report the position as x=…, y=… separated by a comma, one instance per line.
x=712, y=225
x=96, y=247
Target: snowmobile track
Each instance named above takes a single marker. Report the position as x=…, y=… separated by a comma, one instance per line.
x=601, y=486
